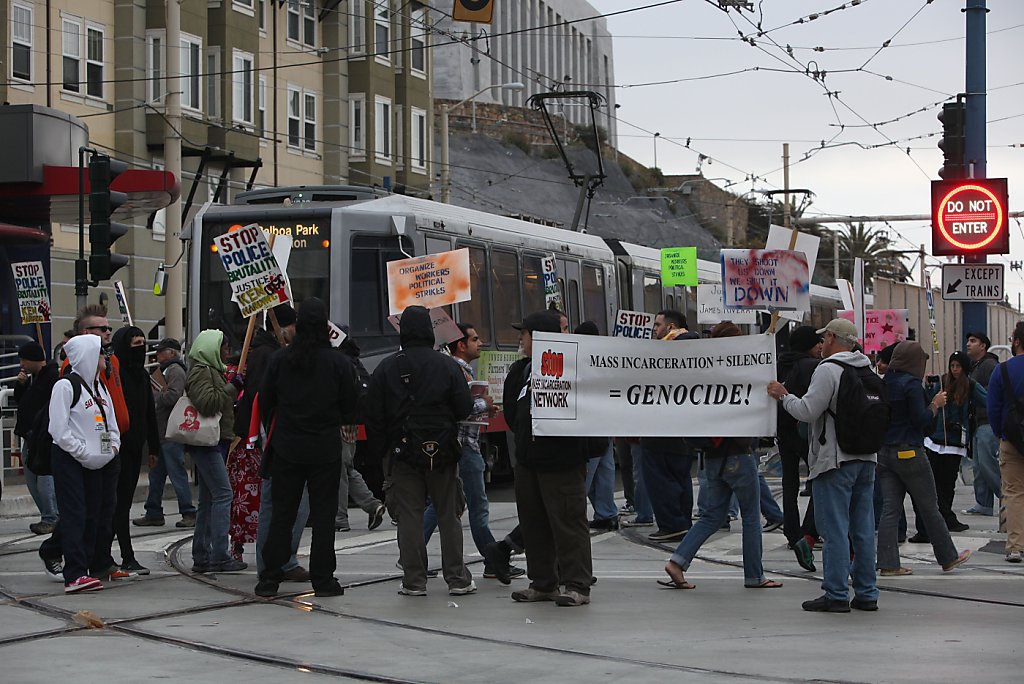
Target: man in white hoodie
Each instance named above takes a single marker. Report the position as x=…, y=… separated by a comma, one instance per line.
x=85, y=438
x=842, y=483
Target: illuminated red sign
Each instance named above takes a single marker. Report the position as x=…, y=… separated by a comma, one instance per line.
x=969, y=217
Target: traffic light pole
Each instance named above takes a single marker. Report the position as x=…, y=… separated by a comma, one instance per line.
x=81, y=265
x=974, y=314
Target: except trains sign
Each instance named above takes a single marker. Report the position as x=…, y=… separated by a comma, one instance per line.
x=970, y=217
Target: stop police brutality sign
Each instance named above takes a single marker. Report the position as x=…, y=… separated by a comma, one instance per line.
x=970, y=217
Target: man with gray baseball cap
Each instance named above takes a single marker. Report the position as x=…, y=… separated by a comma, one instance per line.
x=842, y=483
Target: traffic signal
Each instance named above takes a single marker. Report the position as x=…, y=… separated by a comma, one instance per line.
x=952, y=141
x=102, y=203
x=479, y=11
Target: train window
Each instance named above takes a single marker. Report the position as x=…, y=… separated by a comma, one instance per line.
x=625, y=289
x=437, y=245
x=652, y=293
x=533, y=283
x=368, y=308
x=478, y=309
x=593, y=297
x=507, y=308
x=574, y=298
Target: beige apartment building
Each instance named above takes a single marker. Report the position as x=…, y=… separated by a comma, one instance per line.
x=307, y=92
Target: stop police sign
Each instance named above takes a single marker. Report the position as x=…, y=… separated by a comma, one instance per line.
x=969, y=217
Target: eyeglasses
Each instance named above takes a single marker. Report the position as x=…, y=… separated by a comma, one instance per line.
x=101, y=328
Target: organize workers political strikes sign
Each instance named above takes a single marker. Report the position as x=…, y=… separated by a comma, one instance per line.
x=586, y=385
x=882, y=327
x=430, y=281
x=766, y=279
x=679, y=266
x=33, y=294
x=257, y=283
x=635, y=324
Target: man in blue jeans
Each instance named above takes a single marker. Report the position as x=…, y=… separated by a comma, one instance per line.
x=985, y=446
x=842, y=483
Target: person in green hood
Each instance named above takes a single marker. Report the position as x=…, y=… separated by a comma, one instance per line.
x=211, y=394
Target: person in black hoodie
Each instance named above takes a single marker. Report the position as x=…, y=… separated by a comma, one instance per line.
x=304, y=446
x=32, y=394
x=129, y=345
x=550, y=484
x=796, y=366
x=413, y=404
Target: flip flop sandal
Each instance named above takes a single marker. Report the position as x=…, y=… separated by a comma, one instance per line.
x=767, y=584
x=672, y=584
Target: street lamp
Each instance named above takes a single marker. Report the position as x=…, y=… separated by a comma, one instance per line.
x=446, y=174
x=656, y=136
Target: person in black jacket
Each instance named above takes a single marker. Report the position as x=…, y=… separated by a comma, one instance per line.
x=129, y=345
x=304, y=446
x=32, y=394
x=413, y=404
x=551, y=497
x=796, y=365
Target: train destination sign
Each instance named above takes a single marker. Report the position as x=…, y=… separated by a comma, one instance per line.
x=586, y=385
x=970, y=217
x=973, y=282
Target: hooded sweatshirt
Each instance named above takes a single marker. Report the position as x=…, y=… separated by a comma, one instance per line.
x=138, y=395
x=205, y=385
x=77, y=430
x=910, y=416
x=813, y=408
x=981, y=373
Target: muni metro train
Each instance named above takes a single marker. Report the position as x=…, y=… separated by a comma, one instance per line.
x=343, y=236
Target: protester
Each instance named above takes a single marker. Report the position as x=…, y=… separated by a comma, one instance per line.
x=984, y=445
x=129, y=345
x=550, y=478
x=841, y=482
x=211, y=394
x=947, y=444
x=668, y=461
x=730, y=469
x=1005, y=389
x=883, y=360
x=631, y=461
x=902, y=467
x=171, y=459
x=85, y=439
x=415, y=399
x=304, y=445
x=32, y=390
x=600, y=484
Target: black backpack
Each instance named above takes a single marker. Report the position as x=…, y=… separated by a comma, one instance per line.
x=40, y=441
x=1013, y=430
x=428, y=435
x=863, y=412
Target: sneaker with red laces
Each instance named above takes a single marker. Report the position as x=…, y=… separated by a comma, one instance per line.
x=119, y=574
x=83, y=583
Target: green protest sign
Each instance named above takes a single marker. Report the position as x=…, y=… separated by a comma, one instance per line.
x=679, y=266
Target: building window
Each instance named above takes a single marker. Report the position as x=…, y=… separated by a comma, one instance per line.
x=382, y=124
x=191, y=72
x=418, y=41
x=399, y=137
x=155, y=66
x=71, y=50
x=309, y=121
x=293, y=20
x=213, y=82
x=382, y=32
x=357, y=125
x=294, y=117
x=244, y=4
x=241, y=87
x=94, y=62
x=21, y=42
x=357, y=27
x=261, y=107
x=261, y=14
x=418, y=151
x=308, y=24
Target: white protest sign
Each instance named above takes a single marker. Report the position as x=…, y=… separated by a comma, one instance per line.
x=430, y=281
x=257, y=283
x=635, y=324
x=122, y=303
x=335, y=334
x=552, y=293
x=775, y=279
x=33, y=294
x=778, y=238
x=710, y=309
x=445, y=329
x=587, y=385
x=282, y=249
x=492, y=367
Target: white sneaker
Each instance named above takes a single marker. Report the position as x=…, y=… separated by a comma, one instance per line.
x=462, y=591
x=405, y=591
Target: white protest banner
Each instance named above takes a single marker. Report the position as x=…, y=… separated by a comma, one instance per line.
x=335, y=334
x=492, y=368
x=710, y=309
x=445, y=329
x=122, y=303
x=774, y=279
x=257, y=283
x=552, y=293
x=635, y=324
x=431, y=281
x=609, y=386
x=33, y=294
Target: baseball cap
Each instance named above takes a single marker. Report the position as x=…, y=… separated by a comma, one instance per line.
x=541, y=321
x=981, y=336
x=841, y=328
x=168, y=343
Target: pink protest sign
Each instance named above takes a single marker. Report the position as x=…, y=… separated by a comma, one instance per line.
x=882, y=327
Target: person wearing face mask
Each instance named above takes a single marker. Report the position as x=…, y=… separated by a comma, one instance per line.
x=129, y=346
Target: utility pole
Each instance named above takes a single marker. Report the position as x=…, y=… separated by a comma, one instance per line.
x=785, y=196
x=446, y=169
x=974, y=314
x=172, y=163
x=835, y=254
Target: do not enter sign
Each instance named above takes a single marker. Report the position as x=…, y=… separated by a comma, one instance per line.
x=969, y=217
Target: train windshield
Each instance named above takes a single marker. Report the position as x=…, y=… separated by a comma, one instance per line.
x=309, y=270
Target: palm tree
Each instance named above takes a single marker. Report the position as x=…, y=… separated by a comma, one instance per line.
x=873, y=246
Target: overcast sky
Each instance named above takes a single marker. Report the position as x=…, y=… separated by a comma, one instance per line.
x=740, y=121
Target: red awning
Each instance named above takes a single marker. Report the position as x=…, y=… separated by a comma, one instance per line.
x=9, y=233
